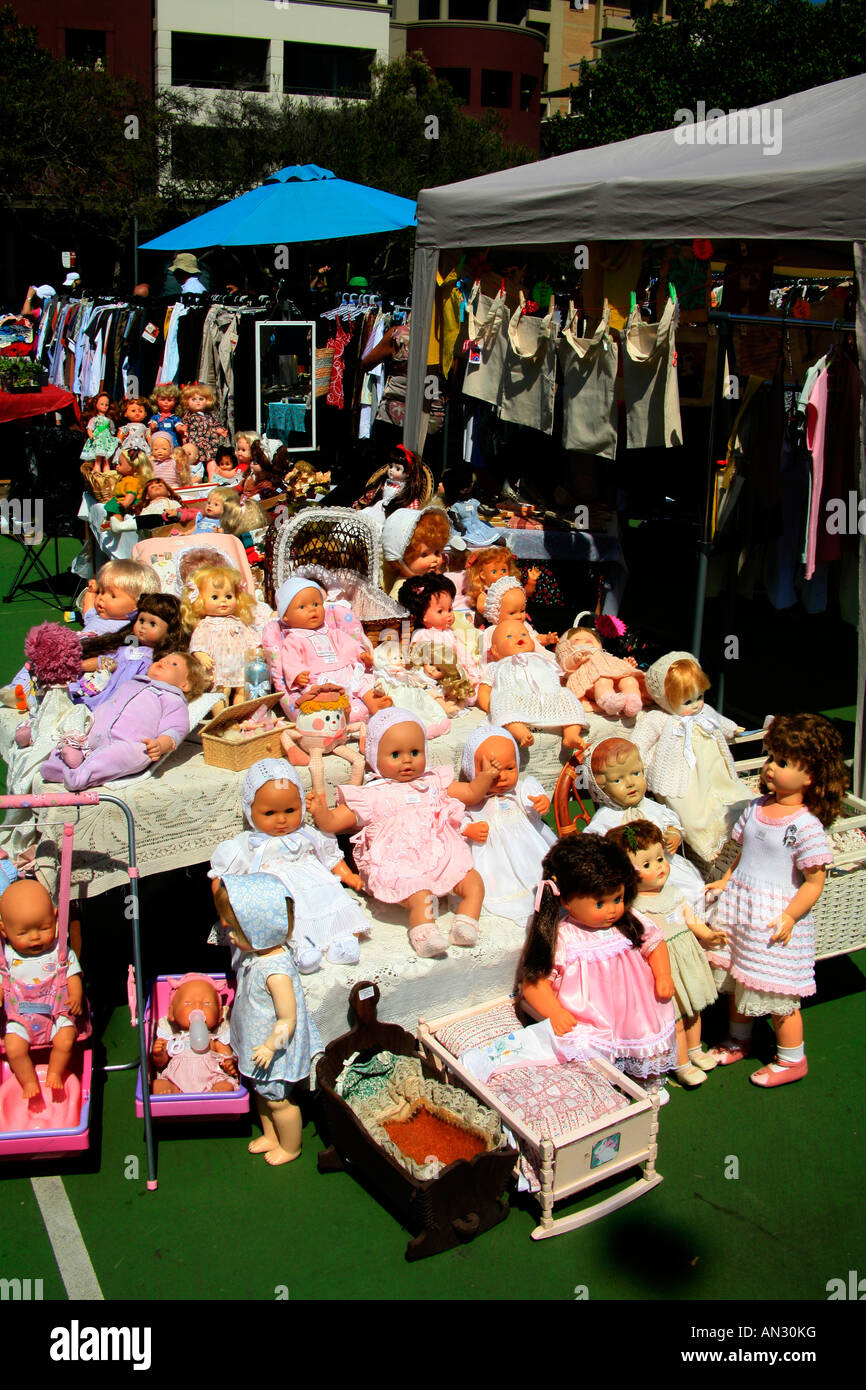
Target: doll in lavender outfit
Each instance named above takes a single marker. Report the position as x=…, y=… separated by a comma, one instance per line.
x=116, y=657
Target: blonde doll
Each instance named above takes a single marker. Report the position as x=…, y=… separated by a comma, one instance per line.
x=198, y=423
x=484, y=567
x=244, y=441
x=135, y=472
x=239, y=514
x=188, y=457
x=163, y=403
x=221, y=616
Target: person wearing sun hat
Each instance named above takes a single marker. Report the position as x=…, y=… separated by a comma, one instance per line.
x=185, y=269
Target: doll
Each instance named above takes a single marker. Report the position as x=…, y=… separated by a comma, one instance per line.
x=101, y=443
x=686, y=939
x=302, y=649
x=413, y=543
x=272, y=1034
x=506, y=602
x=240, y=515
x=163, y=403
x=191, y=1052
x=768, y=893
x=144, y=720
x=323, y=726
x=164, y=463
x=404, y=485
x=197, y=423
x=328, y=921
x=508, y=837
x=596, y=968
x=133, y=432
x=188, y=457
x=210, y=519
x=429, y=601
x=684, y=745
x=601, y=681
x=109, y=660
x=159, y=505
x=221, y=616
x=484, y=567
x=133, y=467
x=613, y=773
x=42, y=995
x=223, y=468
x=407, y=839
x=520, y=689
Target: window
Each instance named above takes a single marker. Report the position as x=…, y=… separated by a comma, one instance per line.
x=495, y=87
x=317, y=69
x=467, y=9
x=511, y=11
x=86, y=47
x=428, y=9
x=218, y=61
x=539, y=4
x=459, y=80
x=528, y=85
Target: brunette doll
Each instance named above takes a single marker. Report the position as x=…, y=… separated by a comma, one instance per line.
x=114, y=657
x=133, y=432
x=101, y=442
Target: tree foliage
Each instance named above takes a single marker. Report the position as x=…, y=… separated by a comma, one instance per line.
x=734, y=54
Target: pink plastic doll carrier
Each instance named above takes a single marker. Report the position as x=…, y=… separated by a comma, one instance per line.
x=194, y=1106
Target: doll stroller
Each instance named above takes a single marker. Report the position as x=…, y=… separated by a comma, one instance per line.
x=63, y=1126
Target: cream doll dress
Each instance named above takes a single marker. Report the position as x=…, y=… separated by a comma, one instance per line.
x=694, y=986
x=525, y=689
x=509, y=861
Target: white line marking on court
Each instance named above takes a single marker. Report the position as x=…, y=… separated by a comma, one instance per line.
x=70, y=1252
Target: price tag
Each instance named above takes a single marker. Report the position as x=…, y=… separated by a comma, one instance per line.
x=475, y=354
x=367, y=993
x=150, y=333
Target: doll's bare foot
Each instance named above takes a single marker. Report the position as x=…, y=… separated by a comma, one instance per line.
x=263, y=1145
x=521, y=734
x=54, y=1079
x=278, y=1156
x=30, y=1089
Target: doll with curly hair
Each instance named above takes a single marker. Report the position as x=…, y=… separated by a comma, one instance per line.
x=198, y=424
x=221, y=616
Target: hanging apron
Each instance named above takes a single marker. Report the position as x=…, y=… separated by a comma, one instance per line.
x=488, y=339
x=529, y=379
x=652, y=394
x=589, y=414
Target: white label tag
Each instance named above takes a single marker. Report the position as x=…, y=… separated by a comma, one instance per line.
x=412, y=797
x=324, y=648
x=150, y=333
x=366, y=993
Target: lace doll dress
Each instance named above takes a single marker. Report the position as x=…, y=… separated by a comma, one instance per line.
x=509, y=861
x=525, y=689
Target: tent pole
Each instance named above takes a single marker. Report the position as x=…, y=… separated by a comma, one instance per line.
x=705, y=544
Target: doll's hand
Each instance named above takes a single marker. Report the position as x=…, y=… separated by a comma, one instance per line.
x=784, y=925
x=156, y=748
x=477, y=832
x=229, y=1065
x=541, y=804
x=491, y=768
x=533, y=575
x=345, y=875
x=664, y=987
x=367, y=660
x=712, y=938
x=75, y=1002
x=302, y=679
x=561, y=1020
x=92, y=587
x=715, y=889
x=672, y=840
x=222, y=432
x=262, y=1056
x=549, y=639
x=159, y=1053
x=204, y=659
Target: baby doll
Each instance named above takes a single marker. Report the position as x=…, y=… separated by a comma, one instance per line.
x=134, y=469
x=240, y=515
x=506, y=602
x=407, y=840
x=768, y=894
x=660, y=900
x=159, y=505
x=685, y=750
x=42, y=997
x=596, y=968
x=484, y=567
x=429, y=601
x=413, y=543
x=520, y=689
x=111, y=599
x=222, y=618
x=509, y=839
x=328, y=921
x=244, y=441
x=302, y=650
x=133, y=433
x=164, y=463
x=144, y=720
x=223, y=468
x=198, y=424
x=193, y=1057
x=115, y=657
x=613, y=773
x=272, y=1035
x=163, y=402
x=101, y=443
x=600, y=680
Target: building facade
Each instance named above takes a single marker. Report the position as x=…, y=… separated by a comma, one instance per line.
x=96, y=33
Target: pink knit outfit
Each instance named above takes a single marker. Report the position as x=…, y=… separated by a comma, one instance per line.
x=599, y=665
x=329, y=653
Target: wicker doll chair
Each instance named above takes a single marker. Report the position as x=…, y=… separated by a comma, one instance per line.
x=564, y=793
x=336, y=538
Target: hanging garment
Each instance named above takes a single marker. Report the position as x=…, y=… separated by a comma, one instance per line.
x=488, y=340
x=342, y=336
x=589, y=415
x=652, y=396
x=445, y=328
x=529, y=378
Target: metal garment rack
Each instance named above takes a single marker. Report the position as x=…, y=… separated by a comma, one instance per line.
x=706, y=543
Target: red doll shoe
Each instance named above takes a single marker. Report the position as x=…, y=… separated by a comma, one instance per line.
x=731, y=1051
x=793, y=1071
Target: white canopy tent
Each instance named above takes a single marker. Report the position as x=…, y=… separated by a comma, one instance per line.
x=795, y=169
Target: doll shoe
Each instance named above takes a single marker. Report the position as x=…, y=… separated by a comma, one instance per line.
x=307, y=957
x=731, y=1051
x=346, y=950
x=426, y=941
x=791, y=1071
x=705, y=1060
x=633, y=705
x=464, y=931
x=689, y=1075
x=8, y=696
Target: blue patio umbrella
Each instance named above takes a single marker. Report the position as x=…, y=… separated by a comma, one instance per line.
x=299, y=203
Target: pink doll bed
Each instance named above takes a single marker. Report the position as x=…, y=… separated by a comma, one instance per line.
x=207, y=1106
x=165, y=554
x=576, y=1125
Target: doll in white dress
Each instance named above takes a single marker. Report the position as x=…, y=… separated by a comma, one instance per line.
x=520, y=689
x=328, y=921
x=508, y=837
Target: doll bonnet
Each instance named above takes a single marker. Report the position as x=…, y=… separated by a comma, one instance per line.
x=259, y=903
x=380, y=723
x=474, y=742
x=290, y=588
x=268, y=770
x=398, y=531
x=657, y=673
x=495, y=594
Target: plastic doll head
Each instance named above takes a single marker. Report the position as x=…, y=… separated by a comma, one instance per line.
x=119, y=585
x=505, y=601
x=232, y=517
x=213, y=507
x=510, y=639
x=429, y=599
x=197, y=397
x=504, y=750
x=149, y=629
x=182, y=670
x=155, y=491
x=28, y=917
x=485, y=566
x=805, y=755
x=380, y=724
x=123, y=464
x=618, y=769
x=576, y=642
x=243, y=447
x=215, y=591
x=644, y=844
x=158, y=624
x=402, y=752
x=192, y=451
x=190, y=995
x=102, y=403
x=277, y=807
x=301, y=604
x=165, y=397
x=135, y=410
x=270, y=772
x=676, y=683
x=160, y=447
x=425, y=553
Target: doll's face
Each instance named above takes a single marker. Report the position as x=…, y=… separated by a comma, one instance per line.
x=135, y=412
x=252, y=483
x=510, y=639
x=624, y=782
x=652, y=867
x=103, y=405
x=503, y=750
x=242, y=451
x=397, y=473
x=596, y=913
x=124, y=466
x=306, y=610
x=165, y=404
x=513, y=606
x=402, y=756
x=160, y=448
x=197, y=401
x=691, y=703
x=192, y=995
x=213, y=508
x=276, y=808
x=783, y=777
x=439, y=614
x=155, y=490
x=321, y=723
x=29, y=923
x=225, y=468
x=424, y=561
x=172, y=670
x=494, y=569
x=220, y=599
x=112, y=601
x=150, y=629
x=192, y=452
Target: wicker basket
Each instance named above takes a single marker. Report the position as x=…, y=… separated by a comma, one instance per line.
x=335, y=537
x=99, y=485
x=234, y=757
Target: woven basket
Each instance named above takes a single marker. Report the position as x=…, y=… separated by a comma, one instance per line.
x=335, y=537
x=324, y=367
x=375, y=610
x=235, y=757
x=99, y=485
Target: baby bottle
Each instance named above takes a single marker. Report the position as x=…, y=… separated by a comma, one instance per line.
x=256, y=679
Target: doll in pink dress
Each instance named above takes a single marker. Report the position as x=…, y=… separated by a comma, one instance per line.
x=304, y=649
x=191, y=1052
x=599, y=680
x=225, y=623
x=407, y=821
x=599, y=970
